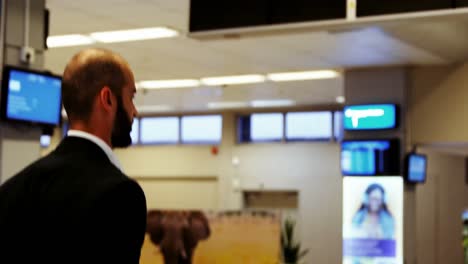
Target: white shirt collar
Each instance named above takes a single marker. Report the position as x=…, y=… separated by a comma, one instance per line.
x=110, y=154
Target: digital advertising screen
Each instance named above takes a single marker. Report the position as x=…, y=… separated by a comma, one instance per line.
x=373, y=220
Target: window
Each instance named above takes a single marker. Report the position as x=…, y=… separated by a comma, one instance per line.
x=266, y=127
x=338, y=125
x=159, y=130
x=292, y=126
x=309, y=126
x=135, y=131
x=202, y=129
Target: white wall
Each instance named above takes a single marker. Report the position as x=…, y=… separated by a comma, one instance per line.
x=310, y=168
x=169, y=161
x=438, y=104
x=17, y=154
x=19, y=147
x=313, y=170
x=437, y=113
x=180, y=193
x=439, y=204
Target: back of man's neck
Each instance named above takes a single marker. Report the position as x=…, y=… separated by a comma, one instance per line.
x=88, y=129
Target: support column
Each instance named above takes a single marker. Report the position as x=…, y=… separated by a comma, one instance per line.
x=19, y=144
x=387, y=85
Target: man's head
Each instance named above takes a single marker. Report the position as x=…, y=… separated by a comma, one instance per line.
x=98, y=89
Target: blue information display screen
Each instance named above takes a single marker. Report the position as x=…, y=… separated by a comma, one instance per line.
x=370, y=117
x=359, y=158
x=417, y=165
x=368, y=158
x=33, y=97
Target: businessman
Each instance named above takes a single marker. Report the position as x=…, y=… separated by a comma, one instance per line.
x=76, y=205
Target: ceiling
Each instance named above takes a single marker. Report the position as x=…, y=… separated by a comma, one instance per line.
x=428, y=42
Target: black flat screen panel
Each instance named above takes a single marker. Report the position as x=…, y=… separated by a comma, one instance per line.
x=461, y=3
x=217, y=14
x=290, y=11
x=382, y=7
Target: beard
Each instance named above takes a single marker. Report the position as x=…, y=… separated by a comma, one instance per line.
x=122, y=128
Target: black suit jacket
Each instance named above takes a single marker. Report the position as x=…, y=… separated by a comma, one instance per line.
x=72, y=206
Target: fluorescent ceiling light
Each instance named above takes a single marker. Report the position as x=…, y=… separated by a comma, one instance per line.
x=230, y=80
x=68, y=40
x=227, y=105
x=134, y=34
x=305, y=75
x=163, y=84
x=154, y=108
x=272, y=103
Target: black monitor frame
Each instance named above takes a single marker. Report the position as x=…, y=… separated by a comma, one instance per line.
x=407, y=166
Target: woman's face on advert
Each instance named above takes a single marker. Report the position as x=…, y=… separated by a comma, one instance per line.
x=375, y=200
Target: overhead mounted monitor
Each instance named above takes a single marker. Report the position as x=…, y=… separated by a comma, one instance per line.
x=209, y=15
x=370, y=117
x=31, y=96
x=461, y=3
x=387, y=7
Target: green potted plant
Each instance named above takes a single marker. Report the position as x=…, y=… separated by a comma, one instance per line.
x=292, y=252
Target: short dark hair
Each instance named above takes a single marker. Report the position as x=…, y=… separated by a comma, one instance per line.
x=373, y=187
x=84, y=77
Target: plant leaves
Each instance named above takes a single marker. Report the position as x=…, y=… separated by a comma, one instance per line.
x=291, y=250
x=303, y=253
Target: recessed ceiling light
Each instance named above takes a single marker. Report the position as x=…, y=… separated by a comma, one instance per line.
x=134, y=34
x=304, y=75
x=272, y=103
x=227, y=105
x=69, y=40
x=232, y=80
x=340, y=99
x=165, y=84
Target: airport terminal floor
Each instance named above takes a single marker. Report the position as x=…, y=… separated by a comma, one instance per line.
x=265, y=131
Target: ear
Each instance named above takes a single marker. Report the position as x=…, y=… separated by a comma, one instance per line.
x=154, y=226
x=199, y=225
x=106, y=98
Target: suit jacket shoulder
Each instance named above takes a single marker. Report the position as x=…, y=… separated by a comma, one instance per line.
x=73, y=176
x=72, y=201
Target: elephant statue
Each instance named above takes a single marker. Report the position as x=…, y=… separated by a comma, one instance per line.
x=177, y=233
